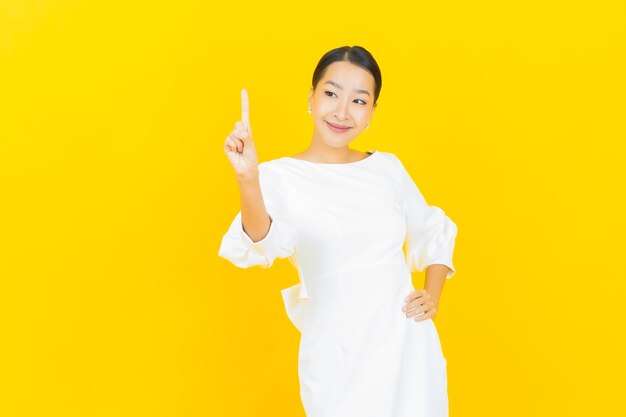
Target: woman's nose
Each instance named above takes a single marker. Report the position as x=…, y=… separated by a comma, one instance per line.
x=342, y=110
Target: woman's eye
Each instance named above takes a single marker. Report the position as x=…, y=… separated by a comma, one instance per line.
x=330, y=95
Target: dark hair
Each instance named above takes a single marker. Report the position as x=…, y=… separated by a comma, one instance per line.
x=354, y=54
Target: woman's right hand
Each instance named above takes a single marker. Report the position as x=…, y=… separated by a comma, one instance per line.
x=239, y=146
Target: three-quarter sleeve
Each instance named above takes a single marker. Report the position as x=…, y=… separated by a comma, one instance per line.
x=430, y=233
x=280, y=241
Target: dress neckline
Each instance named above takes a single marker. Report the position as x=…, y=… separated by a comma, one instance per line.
x=371, y=153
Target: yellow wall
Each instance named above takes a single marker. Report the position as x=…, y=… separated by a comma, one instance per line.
x=116, y=191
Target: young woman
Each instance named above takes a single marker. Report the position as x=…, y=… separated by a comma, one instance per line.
x=369, y=346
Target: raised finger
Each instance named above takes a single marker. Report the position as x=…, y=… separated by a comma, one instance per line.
x=245, y=107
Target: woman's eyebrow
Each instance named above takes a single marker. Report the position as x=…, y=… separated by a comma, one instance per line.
x=336, y=84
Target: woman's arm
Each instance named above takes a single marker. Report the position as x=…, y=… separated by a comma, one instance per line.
x=261, y=231
x=434, y=281
x=254, y=216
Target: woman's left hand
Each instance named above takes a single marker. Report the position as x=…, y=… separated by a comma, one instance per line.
x=420, y=301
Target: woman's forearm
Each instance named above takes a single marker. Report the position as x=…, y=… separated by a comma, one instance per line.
x=435, y=279
x=254, y=217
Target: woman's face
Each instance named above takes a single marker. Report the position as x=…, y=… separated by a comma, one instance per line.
x=344, y=97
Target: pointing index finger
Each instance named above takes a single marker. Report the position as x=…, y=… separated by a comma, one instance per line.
x=245, y=108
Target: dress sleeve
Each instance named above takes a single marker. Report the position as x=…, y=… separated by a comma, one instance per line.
x=280, y=241
x=430, y=234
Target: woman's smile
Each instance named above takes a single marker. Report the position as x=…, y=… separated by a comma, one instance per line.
x=337, y=128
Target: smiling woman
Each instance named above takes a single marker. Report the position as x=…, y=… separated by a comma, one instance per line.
x=341, y=217
x=345, y=88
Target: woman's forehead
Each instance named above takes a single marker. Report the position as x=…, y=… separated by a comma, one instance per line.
x=348, y=76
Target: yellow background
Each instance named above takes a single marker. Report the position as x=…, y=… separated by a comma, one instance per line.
x=116, y=193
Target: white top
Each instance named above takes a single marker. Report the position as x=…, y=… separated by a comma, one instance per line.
x=343, y=226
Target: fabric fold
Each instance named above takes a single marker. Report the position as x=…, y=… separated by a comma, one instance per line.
x=295, y=301
x=241, y=251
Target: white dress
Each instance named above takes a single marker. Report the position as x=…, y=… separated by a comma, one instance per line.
x=342, y=226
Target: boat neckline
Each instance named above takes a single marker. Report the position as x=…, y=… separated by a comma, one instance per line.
x=371, y=152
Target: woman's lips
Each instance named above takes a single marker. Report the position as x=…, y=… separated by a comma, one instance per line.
x=337, y=129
